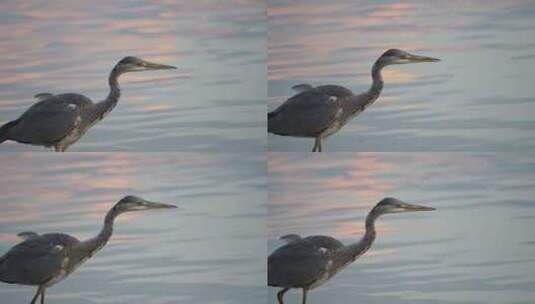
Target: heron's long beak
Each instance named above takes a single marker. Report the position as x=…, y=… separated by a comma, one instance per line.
x=157, y=66
x=154, y=205
x=413, y=207
x=416, y=58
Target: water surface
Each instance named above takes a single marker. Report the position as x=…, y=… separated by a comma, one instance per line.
x=477, y=247
x=479, y=98
x=214, y=101
x=210, y=250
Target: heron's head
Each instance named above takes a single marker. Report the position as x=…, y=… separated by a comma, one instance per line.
x=396, y=56
x=135, y=203
x=134, y=64
x=393, y=205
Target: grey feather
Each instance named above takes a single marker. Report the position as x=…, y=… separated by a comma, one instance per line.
x=43, y=96
x=25, y=235
x=290, y=237
x=302, y=87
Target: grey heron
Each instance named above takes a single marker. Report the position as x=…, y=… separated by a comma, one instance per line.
x=60, y=120
x=44, y=260
x=309, y=262
x=319, y=112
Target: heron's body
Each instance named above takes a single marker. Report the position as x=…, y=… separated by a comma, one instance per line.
x=44, y=260
x=316, y=253
x=57, y=121
x=309, y=262
x=41, y=260
x=319, y=112
x=60, y=120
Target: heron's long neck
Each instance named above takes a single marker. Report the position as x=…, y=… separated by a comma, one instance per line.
x=104, y=107
x=359, y=103
x=87, y=248
x=105, y=233
x=351, y=252
x=377, y=78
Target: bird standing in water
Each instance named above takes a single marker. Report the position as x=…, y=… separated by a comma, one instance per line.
x=60, y=120
x=319, y=112
x=44, y=260
x=309, y=262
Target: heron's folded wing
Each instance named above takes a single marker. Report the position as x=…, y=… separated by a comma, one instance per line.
x=47, y=121
x=296, y=265
x=32, y=262
x=306, y=114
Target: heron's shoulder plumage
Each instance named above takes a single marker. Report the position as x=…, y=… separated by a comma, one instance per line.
x=335, y=90
x=74, y=98
x=323, y=241
x=61, y=239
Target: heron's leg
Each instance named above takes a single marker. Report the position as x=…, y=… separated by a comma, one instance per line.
x=43, y=296
x=60, y=147
x=305, y=291
x=280, y=294
x=317, y=143
x=36, y=295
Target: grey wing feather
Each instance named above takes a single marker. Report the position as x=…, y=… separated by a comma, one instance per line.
x=49, y=120
x=43, y=96
x=290, y=237
x=35, y=260
x=299, y=263
x=25, y=235
x=302, y=87
x=306, y=114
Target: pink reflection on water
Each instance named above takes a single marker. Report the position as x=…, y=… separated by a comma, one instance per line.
x=332, y=195
x=305, y=191
x=367, y=26
x=80, y=187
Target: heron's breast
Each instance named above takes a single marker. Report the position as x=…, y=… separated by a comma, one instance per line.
x=63, y=272
x=336, y=125
x=324, y=276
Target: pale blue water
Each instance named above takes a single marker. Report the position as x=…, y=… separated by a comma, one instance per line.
x=479, y=98
x=477, y=247
x=210, y=250
x=215, y=101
